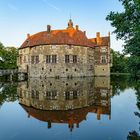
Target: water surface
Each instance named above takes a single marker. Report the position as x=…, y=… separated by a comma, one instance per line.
x=97, y=108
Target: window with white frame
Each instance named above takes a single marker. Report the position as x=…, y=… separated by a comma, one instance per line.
x=20, y=59
x=67, y=58
x=48, y=58
x=24, y=59
x=34, y=59
x=54, y=58
x=74, y=58
x=51, y=58
x=103, y=59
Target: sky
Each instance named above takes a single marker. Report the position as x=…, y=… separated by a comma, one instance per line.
x=20, y=17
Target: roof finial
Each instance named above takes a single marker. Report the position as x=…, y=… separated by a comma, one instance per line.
x=70, y=23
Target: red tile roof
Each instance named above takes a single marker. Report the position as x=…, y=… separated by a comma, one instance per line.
x=69, y=36
x=103, y=41
x=58, y=37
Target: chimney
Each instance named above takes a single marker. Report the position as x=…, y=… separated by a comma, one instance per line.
x=48, y=28
x=28, y=35
x=98, y=37
x=108, y=33
x=84, y=32
x=77, y=27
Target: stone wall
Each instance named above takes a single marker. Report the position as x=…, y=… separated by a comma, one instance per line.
x=88, y=61
x=102, y=61
x=23, y=60
x=62, y=69
x=102, y=70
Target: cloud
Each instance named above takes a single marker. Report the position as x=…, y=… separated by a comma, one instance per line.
x=51, y=5
x=12, y=7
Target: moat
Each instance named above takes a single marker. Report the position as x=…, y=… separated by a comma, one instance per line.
x=100, y=108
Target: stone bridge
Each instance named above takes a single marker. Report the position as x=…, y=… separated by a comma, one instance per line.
x=8, y=72
x=11, y=73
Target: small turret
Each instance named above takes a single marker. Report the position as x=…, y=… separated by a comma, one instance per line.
x=70, y=24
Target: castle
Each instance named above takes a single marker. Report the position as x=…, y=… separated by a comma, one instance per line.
x=64, y=53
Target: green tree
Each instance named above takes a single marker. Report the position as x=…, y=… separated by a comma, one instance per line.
x=8, y=57
x=1, y=50
x=120, y=62
x=127, y=27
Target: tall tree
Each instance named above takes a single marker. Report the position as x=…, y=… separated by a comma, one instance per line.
x=127, y=27
x=1, y=49
x=120, y=62
x=9, y=58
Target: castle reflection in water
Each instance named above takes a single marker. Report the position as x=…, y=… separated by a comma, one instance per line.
x=65, y=100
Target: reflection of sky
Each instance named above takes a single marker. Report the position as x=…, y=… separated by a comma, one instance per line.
x=16, y=125
x=30, y=16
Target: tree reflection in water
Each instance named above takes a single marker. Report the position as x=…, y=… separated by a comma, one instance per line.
x=120, y=83
x=8, y=92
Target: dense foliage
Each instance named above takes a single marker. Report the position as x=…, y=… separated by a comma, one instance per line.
x=8, y=57
x=127, y=27
x=8, y=93
x=119, y=62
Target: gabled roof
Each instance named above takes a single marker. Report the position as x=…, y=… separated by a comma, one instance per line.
x=69, y=36
x=103, y=41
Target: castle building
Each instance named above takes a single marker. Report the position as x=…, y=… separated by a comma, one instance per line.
x=64, y=53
